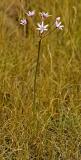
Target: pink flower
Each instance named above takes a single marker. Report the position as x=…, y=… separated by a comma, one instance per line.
x=42, y=27
x=44, y=15
x=58, y=23
x=23, y=22
x=30, y=13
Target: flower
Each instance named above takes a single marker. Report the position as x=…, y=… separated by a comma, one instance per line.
x=31, y=13
x=42, y=27
x=23, y=22
x=58, y=23
x=44, y=15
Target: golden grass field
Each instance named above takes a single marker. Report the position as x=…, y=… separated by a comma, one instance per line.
x=54, y=133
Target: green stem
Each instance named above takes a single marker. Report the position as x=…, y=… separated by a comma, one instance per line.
x=37, y=63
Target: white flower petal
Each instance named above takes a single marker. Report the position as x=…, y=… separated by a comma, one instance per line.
x=61, y=27
x=45, y=26
x=58, y=19
x=39, y=25
x=45, y=29
x=42, y=24
x=37, y=28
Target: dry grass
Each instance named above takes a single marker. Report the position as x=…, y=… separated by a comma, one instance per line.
x=55, y=132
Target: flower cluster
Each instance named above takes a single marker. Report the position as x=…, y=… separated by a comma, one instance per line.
x=40, y=26
x=29, y=14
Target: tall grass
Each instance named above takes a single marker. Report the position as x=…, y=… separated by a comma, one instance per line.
x=55, y=133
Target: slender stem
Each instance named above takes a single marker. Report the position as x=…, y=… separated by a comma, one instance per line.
x=37, y=63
